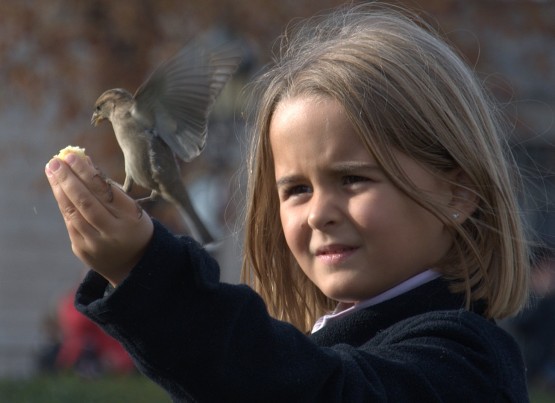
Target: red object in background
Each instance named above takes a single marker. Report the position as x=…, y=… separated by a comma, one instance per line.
x=80, y=336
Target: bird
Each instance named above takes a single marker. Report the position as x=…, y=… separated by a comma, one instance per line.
x=166, y=120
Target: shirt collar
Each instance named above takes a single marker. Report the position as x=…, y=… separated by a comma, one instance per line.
x=343, y=309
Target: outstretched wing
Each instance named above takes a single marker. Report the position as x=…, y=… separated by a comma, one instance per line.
x=181, y=92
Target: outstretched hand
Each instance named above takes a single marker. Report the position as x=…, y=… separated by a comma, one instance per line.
x=108, y=229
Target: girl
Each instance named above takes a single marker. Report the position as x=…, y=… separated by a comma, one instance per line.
x=380, y=201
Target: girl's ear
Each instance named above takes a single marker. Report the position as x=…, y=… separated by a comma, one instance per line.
x=464, y=200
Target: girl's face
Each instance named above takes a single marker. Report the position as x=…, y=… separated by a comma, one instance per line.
x=352, y=231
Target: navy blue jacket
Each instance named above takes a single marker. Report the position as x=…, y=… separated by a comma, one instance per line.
x=207, y=341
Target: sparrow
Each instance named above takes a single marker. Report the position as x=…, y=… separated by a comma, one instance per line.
x=166, y=120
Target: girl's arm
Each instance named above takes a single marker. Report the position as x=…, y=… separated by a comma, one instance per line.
x=214, y=342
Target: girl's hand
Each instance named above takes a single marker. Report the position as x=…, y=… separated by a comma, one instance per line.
x=108, y=230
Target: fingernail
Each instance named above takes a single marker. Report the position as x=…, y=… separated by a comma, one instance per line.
x=52, y=167
x=70, y=158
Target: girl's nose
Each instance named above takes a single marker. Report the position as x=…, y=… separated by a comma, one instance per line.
x=323, y=210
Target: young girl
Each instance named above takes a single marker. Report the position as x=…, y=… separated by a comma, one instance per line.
x=381, y=214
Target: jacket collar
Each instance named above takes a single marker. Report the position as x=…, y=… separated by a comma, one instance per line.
x=360, y=326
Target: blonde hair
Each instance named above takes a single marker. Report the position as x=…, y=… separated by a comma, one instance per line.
x=402, y=88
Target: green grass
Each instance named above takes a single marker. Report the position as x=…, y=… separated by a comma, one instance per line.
x=115, y=389
x=541, y=396
x=74, y=389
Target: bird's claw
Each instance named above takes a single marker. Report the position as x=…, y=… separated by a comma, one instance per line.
x=107, y=183
x=145, y=199
x=139, y=210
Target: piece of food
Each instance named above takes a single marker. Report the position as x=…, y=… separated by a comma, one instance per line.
x=71, y=149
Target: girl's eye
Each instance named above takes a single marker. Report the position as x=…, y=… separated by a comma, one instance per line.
x=295, y=191
x=350, y=179
x=298, y=189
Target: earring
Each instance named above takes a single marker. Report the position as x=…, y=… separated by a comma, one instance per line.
x=455, y=216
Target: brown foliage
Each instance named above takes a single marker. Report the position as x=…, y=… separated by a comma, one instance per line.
x=64, y=53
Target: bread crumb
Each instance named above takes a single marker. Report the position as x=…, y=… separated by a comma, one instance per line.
x=71, y=149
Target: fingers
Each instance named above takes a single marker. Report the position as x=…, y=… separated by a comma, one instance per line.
x=71, y=195
x=83, y=191
x=95, y=181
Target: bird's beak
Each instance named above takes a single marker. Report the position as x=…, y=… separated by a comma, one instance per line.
x=96, y=119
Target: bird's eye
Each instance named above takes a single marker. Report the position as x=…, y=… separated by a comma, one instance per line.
x=98, y=108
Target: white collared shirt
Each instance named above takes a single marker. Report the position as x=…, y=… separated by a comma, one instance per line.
x=344, y=309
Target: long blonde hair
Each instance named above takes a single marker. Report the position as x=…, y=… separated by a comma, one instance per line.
x=402, y=88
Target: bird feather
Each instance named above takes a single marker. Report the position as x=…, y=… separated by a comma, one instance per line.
x=181, y=92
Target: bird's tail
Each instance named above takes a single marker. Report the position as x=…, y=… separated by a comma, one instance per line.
x=194, y=223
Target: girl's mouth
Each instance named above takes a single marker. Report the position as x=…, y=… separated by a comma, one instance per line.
x=334, y=254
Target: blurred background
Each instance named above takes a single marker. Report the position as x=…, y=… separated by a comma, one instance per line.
x=58, y=56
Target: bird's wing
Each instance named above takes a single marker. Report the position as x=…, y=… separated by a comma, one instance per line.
x=181, y=92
